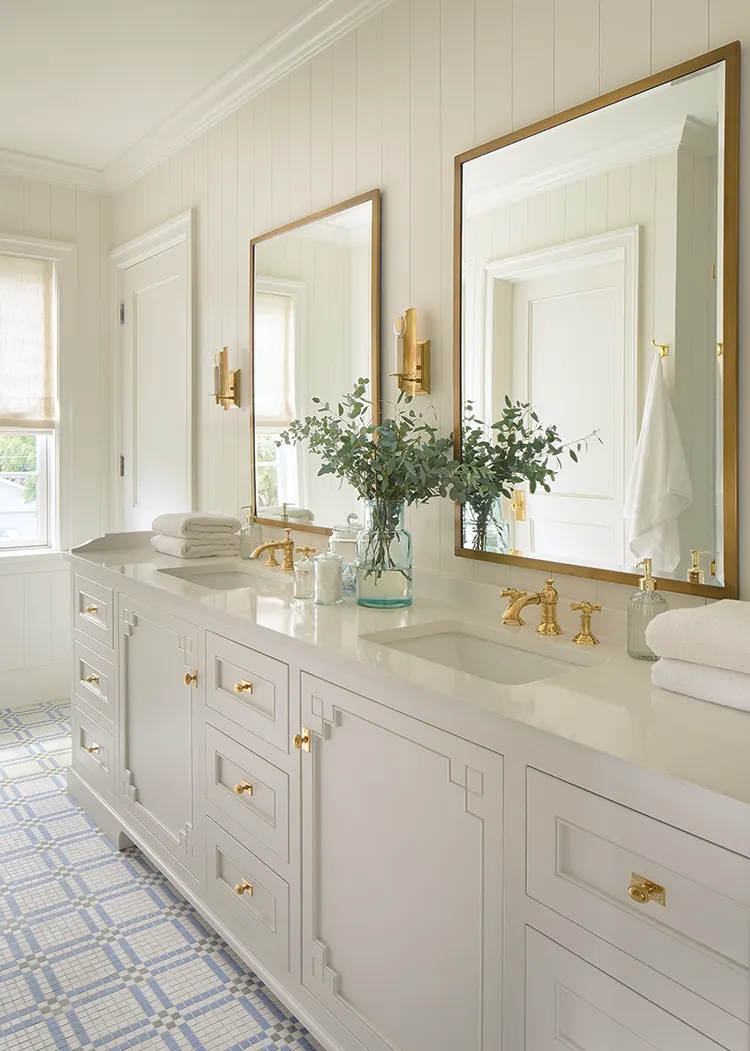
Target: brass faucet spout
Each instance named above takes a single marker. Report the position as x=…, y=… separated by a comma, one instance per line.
x=272, y=546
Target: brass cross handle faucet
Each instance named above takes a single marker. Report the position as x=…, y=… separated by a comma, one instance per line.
x=585, y=636
x=546, y=598
x=272, y=546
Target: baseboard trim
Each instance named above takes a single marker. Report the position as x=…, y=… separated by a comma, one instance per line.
x=21, y=687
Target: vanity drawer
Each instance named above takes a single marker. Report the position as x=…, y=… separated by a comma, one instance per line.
x=572, y=1004
x=262, y=908
x=584, y=853
x=248, y=790
x=94, y=681
x=92, y=613
x=249, y=688
x=93, y=752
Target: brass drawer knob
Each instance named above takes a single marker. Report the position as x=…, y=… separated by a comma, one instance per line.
x=191, y=677
x=93, y=749
x=244, y=786
x=243, y=687
x=642, y=891
x=92, y=680
x=91, y=609
x=244, y=888
x=302, y=740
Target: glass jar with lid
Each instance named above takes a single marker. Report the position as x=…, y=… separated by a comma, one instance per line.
x=343, y=542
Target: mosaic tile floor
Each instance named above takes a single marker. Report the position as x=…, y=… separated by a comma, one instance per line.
x=97, y=949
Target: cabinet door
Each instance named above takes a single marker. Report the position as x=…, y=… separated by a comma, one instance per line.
x=157, y=724
x=402, y=876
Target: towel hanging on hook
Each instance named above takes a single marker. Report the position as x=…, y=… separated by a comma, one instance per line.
x=663, y=348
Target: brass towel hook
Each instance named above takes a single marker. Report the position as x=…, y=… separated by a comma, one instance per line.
x=663, y=348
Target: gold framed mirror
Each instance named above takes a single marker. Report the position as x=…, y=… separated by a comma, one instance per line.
x=595, y=322
x=314, y=330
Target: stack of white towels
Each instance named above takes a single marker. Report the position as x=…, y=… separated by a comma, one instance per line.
x=704, y=652
x=196, y=536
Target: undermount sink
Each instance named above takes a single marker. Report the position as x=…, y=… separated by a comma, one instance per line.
x=231, y=577
x=483, y=652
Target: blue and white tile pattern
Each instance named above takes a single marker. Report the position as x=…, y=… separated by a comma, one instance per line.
x=97, y=949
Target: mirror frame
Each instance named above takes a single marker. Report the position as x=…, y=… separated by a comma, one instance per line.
x=730, y=55
x=374, y=196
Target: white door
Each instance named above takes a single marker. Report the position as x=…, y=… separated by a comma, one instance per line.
x=158, y=714
x=402, y=876
x=570, y=360
x=156, y=363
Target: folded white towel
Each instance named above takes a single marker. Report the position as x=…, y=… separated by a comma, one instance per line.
x=715, y=635
x=294, y=514
x=730, y=688
x=194, y=525
x=191, y=548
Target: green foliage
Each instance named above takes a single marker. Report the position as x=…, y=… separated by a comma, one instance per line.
x=17, y=459
x=402, y=459
x=515, y=449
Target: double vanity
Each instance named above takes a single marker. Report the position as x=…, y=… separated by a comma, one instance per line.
x=422, y=828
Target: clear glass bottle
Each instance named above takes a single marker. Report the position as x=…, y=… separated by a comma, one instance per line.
x=645, y=604
x=327, y=591
x=344, y=542
x=304, y=575
x=251, y=535
x=384, y=563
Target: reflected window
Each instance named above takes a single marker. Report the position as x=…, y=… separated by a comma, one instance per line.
x=275, y=468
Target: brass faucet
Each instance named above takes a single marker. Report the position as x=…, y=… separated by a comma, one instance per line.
x=272, y=546
x=546, y=598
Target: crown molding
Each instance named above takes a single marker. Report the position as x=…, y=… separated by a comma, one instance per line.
x=45, y=169
x=322, y=26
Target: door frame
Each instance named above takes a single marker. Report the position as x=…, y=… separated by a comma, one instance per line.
x=174, y=232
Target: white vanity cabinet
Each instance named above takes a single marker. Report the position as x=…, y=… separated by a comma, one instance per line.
x=158, y=710
x=406, y=870
x=402, y=829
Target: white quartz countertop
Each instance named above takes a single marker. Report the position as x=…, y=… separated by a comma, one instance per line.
x=606, y=703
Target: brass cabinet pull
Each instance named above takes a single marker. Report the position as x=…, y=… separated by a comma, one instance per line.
x=191, y=677
x=642, y=891
x=243, y=687
x=91, y=609
x=302, y=740
x=93, y=749
x=244, y=888
x=92, y=679
x=244, y=786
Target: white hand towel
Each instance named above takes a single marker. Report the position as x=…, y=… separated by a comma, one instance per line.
x=194, y=525
x=296, y=514
x=716, y=635
x=191, y=548
x=730, y=688
x=660, y=488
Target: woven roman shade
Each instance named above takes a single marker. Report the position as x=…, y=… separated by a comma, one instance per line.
x=27, y=352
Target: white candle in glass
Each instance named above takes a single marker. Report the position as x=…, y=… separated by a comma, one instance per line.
x=328, y=569
x=399, y=328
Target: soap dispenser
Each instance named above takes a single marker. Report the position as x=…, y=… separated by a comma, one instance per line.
x=646, y=604
x=695, y=573
x=251, y=535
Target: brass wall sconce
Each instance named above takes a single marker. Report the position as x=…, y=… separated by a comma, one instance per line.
x=226, y=382
x=412, y=356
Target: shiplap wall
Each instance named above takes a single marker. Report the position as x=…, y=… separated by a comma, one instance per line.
x=34, y=591
x=390, y=105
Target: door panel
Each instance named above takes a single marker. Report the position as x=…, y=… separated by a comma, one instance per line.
x=157, y=731
x=402, y=877
x=156, y=388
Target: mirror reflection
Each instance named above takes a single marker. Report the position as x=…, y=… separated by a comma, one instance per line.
x=591, y=291
x=314, y=322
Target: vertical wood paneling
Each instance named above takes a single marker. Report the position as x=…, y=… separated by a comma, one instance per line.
x=215, y=255
x=11, y=205
x=576, y=52
x=281, y=185
x=596, y=204
x=625, y=33
x=575, y=211
x=493, y=68
x=321, y=130
x=679, y=30
x=299, y=141
x=63, y=213
x=38, y=614
x=202, y=346
x=36, y=209
x=187, y=160
x=245, y=230
x=12, y=621
x=344, y=117
x=230, y=304
x=533, y=61
x=369, y=96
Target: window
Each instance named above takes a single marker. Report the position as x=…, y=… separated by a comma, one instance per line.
x=28, y=417
x=275, y=468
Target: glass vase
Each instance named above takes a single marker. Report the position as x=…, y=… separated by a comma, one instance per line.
x=485, y=529
x=384, y=557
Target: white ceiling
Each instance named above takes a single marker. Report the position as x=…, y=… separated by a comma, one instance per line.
x=82, y=81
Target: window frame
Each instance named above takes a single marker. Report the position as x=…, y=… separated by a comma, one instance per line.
x=45, y=496
x=59, y=458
